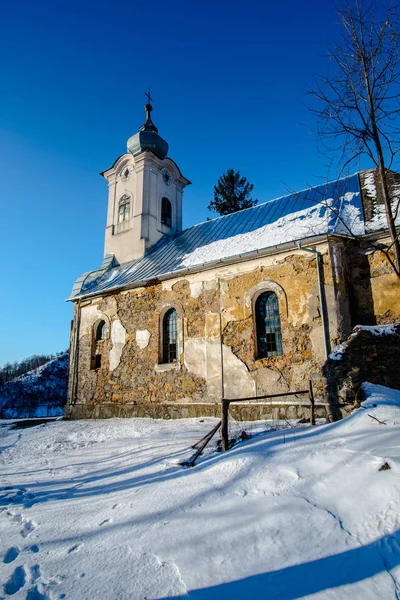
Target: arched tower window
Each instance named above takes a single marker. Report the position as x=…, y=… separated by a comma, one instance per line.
x=124, y=209
x=101, y=331
x=99, y=334
x=170, y=336
x=166, y=212
x=268, y=325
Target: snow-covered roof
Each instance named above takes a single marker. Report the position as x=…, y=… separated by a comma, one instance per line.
x=332, y=208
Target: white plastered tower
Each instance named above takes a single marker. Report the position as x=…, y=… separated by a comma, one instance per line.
x=141, y=183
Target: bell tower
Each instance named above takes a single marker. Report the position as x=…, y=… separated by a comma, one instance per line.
x=144, y=195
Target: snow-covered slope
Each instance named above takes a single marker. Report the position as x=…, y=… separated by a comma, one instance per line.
x=99, y=509
x=38, y=393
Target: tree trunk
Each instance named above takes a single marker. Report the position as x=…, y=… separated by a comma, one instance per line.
x=390, y=220
x=382, y=169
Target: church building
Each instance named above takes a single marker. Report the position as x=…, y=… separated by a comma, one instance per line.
x=247, y=304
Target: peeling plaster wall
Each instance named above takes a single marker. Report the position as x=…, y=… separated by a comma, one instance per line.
x=196, y=288
x=142, y=338
x=118, y=336
x=238, y=381
x=89, y=315
x=215, y=310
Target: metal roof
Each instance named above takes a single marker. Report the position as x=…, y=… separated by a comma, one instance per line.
x=278, y=221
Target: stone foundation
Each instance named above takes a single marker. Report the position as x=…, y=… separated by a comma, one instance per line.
x=238, y=411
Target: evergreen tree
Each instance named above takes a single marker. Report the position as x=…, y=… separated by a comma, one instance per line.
x=232, y=193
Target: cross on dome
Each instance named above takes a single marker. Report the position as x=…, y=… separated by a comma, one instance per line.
x=147, y=137
x=148, y=124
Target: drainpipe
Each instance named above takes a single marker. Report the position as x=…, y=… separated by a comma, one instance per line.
x=324, y=311
x=220, y=342
x=76, y=340
x=222, y=357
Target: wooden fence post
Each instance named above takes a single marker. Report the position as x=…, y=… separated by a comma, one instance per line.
x=312, y=403
x=224, y=425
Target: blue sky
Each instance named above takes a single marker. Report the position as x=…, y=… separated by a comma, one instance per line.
x=229, y=83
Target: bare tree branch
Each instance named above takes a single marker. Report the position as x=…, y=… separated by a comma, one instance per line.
x=358, y=103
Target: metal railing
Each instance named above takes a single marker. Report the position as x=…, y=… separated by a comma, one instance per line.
x=226, y=402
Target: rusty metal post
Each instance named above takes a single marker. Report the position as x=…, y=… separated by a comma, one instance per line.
x=224, y=425
x=312, y=403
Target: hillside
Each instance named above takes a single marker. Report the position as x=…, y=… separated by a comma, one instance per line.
x=100, y=509
x=41, y=392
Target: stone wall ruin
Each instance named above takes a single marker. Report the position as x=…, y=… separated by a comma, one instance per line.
x=369, y=354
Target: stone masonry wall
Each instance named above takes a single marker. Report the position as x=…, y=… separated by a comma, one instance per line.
x=212, y=306
x=370, y=354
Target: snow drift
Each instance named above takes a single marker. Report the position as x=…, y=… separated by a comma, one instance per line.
x=99, y=509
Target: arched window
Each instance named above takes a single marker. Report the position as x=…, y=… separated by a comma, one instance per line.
x=124, y=209
x=166, y=212
x=268, y=325
x=170, y=336
x=100, y=332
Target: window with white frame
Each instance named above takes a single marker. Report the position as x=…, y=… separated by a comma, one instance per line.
x=124, y=209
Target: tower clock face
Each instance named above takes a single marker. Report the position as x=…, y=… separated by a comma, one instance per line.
x=126, y=172
x=166, y=176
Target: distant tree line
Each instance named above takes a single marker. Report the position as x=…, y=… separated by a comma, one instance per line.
x=11, y=370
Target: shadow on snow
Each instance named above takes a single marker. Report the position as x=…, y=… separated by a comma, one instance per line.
x=315, y=576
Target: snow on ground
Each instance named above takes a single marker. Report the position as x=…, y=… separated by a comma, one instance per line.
x=99, y=510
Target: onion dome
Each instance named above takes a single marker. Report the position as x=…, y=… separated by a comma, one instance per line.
x=147, y=138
